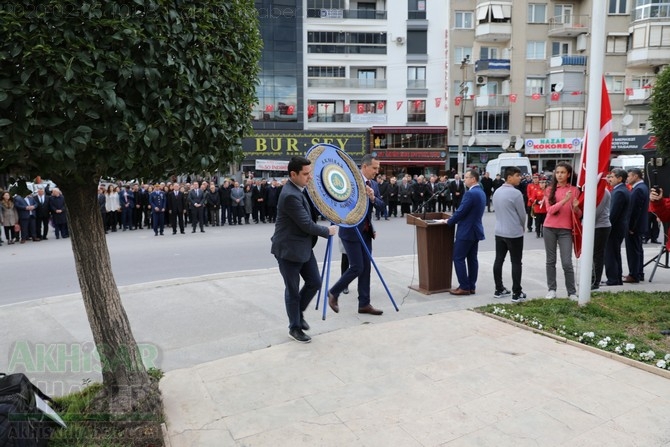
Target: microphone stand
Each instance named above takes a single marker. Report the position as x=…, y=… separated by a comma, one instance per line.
x=423, y=205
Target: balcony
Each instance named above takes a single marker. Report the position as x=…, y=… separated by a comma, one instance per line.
x=493, y=32
x=566, y=100
x=492, y=101
x=499, y=68
x=568, y=26
x=567, y=60
x=637, y=96
x=647, y=57
x=363, y=14
x=346, y=83
x=330, y=118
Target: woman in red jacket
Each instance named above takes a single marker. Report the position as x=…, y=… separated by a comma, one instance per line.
x=538, y=204
x=661, y=207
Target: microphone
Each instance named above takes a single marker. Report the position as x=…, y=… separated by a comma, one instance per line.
x=428, y=200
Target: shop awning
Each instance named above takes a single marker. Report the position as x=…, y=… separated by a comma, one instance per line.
x=417, y=129
x=413, y=163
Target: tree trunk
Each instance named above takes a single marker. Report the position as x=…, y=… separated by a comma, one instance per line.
x=125, y=379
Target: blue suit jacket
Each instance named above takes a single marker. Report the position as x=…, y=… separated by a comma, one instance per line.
x=21, y=204
x=619, y=204
x=349, y=234
x=291, y=239
x=639, y=209
x=469, y=214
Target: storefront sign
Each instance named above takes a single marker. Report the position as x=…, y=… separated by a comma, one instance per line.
x=554, y=146
x=633, y=143
x=410, y=155
x=272, y=165
x=287, y=144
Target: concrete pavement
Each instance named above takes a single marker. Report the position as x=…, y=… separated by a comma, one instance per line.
x=431, y=374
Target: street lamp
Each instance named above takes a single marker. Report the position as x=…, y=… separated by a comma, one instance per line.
x=463, y=91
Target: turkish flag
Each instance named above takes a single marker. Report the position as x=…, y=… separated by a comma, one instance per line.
x=629, y=91
x=512, y=98
x=555, y=96
x=604, y=152
x=398, y=105
x=457, y=100
x=576, y=93
x=347, y=107
x=438, y=101
x=417, y=104
x=361, y=108
x=290, y=110
x=269, y=108
x=535, y=96
x=310, y=110
x=380, y=105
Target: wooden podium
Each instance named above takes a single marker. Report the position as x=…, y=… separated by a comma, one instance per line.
x=435, y=246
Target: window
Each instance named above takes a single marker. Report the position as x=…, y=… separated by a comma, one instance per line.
x=560, y=48
x=465, y=90
x=325, y=72
x=537, y=13
x=460, y=53
x=563, y=14
x=614, y=84
x=346, y=43
x=616, y=44
x=492, y=121
x=641, y=82
x=366, y=78
x=486, y=53
x=326, y=4
x=659, y=36
x=467, y=125
x=463, y=20
x=535, y=50
x=416, y=9
x=534, y=124
x=416, y=111
x=417, y=42
x=416, y=77
x=534, y=86
x=573, y=119
x=617, y=7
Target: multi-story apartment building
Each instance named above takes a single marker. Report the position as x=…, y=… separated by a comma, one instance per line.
x=526, y=76
x=400, y=77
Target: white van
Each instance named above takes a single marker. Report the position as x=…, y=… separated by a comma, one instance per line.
x=505, y=160
x=627, y=162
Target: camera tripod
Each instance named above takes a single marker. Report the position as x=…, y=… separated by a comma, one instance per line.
x=657, y=260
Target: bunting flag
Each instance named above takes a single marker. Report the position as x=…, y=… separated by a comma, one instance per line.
x=380, y=105
x=290, y=110
x=347, y=108
x=535, y=96
x=457, y=100
x=629, y=91
x=555, y=96
x=269, y=108
x=398, y=105
x=311, y=109
x=438, y=101
x=512, y=98
x=361, y=108
x=576, y=93
x=604, y=152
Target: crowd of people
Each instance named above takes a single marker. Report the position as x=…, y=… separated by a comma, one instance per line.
x=28, y=217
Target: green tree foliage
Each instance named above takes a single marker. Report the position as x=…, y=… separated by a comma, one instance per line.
x=129, y=89
x=660, y=112
x=125, y=88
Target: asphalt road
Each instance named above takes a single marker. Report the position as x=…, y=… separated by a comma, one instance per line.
x=43, y=269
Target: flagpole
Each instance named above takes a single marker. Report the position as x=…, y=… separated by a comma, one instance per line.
x=596, y=63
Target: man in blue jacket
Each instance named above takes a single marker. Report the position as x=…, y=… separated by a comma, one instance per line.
x=470, y=231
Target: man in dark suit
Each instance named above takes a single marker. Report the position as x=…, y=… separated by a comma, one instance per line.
x=175, y=206
x=619, y=204
x=26, y=209
x=457, y=188
x=359, y=260
x=226, y=203
x=292, y=246
x=470, y=231
x=638, y=225
x=127, y=201
x=158, y=203
x=42, y=214
x=196, y=201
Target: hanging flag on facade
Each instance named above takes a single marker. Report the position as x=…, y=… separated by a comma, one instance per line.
x=512, y=98
x=438, y=101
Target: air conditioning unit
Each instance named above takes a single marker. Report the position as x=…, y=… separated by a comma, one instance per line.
x=400, y=40
x=481, y=80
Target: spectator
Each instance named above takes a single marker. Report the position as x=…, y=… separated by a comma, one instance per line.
x=10, y=218
x=59, y=214
x=638, y=226
x=618, y=215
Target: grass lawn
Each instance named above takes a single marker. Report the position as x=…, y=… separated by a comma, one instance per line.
x=626, y=323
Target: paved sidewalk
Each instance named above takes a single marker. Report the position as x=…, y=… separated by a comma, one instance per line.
x=433, y=373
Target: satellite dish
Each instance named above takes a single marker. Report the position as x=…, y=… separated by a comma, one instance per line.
x=558, y=87
x=505, y=144
x=627, y=120
x=472, y=140
x=518, y=145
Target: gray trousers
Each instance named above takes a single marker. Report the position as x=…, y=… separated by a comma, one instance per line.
x=562, y=238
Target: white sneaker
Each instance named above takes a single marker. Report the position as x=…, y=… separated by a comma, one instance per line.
x=573, y=297
x=551, y=295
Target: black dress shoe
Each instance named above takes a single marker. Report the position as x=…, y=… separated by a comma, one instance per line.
x=630, y=279
x=304, y=325
x=611, y=283
x=369, y=310
x=332, y=302
x=298, y=335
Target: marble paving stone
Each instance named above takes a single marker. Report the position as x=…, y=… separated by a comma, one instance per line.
x=606, y=435
x=189, y=404
x=648, y=422
x=191, y=438
x=443, y=426
x=242, y=425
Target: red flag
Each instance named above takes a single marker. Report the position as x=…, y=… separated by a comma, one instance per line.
x=438, y=101
x=512, y=98
x=604, y=152
x=457, y=100
x=555, y=96
x=398, y=105
x=361, y=108
x=269, y=108
x=576, y=93
x=629, y=91
x=290, y=110
x=535, y=96
x=347, y=108
x=380, y=105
